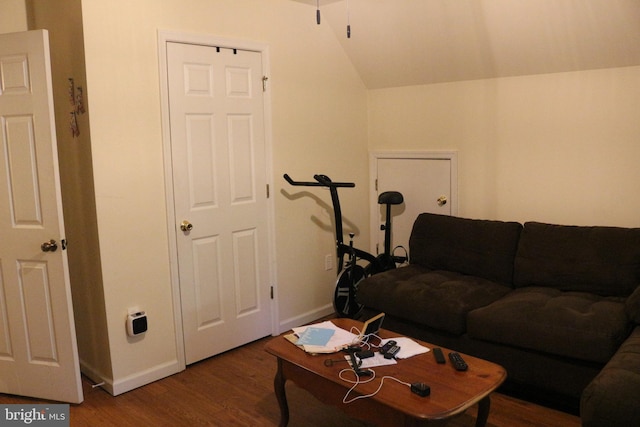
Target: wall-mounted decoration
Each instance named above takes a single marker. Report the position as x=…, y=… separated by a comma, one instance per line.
x=76, y=99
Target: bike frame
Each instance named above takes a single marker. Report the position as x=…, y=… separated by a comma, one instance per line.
x=342, y=248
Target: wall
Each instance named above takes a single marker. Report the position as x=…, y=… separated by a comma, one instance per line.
x=63, y=20
x=319, y=126
x=13, y=17
x=559, y=148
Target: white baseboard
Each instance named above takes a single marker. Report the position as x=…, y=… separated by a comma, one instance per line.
x=96, y=377
x=307, y=317
x=133, y=381
x=145, y=377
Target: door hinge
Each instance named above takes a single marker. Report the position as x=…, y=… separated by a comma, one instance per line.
x=264, y=83
x=272, y=292
x=376, y=184
x=268, y=191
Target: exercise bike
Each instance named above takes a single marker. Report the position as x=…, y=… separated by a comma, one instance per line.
x=350, y=273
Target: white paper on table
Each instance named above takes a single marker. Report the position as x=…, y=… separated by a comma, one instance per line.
x=339, y=340
x=371, y=362
x=408, y=347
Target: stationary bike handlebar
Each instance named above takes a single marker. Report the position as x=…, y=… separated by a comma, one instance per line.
x=321, y=181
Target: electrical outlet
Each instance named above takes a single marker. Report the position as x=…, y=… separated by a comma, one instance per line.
x=328, y=262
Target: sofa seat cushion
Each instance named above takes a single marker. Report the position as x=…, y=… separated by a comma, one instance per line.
x=573, y=324
x=436, y=299
x=600, y=260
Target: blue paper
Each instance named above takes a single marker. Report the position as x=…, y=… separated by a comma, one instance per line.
x=315, y=336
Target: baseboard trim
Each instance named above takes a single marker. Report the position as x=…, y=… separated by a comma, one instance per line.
x=139, y=379
x=97, y=377
x=150, y=375
x=307, y=317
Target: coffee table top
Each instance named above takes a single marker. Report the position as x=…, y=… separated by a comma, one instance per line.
x=452, y=392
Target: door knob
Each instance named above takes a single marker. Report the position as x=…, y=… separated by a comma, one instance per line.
x=442, y=200
x=186, y=226
x=50, y=246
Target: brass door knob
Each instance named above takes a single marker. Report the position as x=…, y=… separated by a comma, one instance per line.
x=442, y=200
x=50, y=246
x=186, y=226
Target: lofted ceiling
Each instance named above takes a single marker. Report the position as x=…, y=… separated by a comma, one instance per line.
x=411, y=42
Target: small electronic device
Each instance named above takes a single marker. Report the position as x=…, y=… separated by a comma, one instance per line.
x=372, y=326
x=421, y=389
x=437, y=353
x=391, y=353
x=364, y=354
x=136, y=323
x=355, y=365
x=387, y=346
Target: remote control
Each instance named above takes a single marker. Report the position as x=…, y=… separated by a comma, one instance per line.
x=437, y=353
x=387, y=346
x=391, y=353
x=457, y=361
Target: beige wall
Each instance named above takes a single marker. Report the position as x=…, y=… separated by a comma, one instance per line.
x=559, y=148
x=63, y=20
x=319, y=125
x=13, y=16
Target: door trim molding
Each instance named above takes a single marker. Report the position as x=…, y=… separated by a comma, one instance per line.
x=450, y=155
x=164, y=37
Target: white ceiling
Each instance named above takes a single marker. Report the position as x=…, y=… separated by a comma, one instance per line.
x=410, y=42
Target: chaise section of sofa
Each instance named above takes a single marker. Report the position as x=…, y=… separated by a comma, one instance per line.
x=613, y=397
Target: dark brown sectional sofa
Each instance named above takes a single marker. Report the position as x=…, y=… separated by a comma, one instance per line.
x=558, y=306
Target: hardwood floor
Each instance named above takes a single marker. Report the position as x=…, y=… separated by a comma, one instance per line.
x=236, y=389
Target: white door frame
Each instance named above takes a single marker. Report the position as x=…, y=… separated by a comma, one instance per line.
x=374, y=223
x=165, y=37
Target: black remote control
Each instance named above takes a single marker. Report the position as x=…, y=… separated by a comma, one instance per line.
x=457, y=361
x=391, y=353
x=387, y=346
x=437, y=353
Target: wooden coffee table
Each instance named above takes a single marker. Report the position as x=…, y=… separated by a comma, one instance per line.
x=452, y=392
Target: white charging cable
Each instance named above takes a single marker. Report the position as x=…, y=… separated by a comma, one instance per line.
x=355, y=383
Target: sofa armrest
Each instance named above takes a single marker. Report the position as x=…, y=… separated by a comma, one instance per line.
x=611, y=399
x=632, y=306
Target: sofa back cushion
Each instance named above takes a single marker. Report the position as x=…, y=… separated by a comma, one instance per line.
x=599, y=260
x=476, y=247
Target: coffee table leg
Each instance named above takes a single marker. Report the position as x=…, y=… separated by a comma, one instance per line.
x=483, y=411
x=278, y=386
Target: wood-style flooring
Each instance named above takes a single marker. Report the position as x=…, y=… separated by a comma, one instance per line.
x=236, y=389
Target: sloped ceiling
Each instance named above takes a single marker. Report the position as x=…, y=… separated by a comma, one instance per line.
x=410, y=42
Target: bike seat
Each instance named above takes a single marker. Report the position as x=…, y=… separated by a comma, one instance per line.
x=390, y=198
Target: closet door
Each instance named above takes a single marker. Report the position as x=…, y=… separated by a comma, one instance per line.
x=426, y=180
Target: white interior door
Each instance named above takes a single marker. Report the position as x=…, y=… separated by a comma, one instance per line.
x=38, y=351
x=216, y=112
x=426, y=180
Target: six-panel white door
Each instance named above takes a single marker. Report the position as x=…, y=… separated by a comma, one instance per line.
x=217, y=132
x=38, y=351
